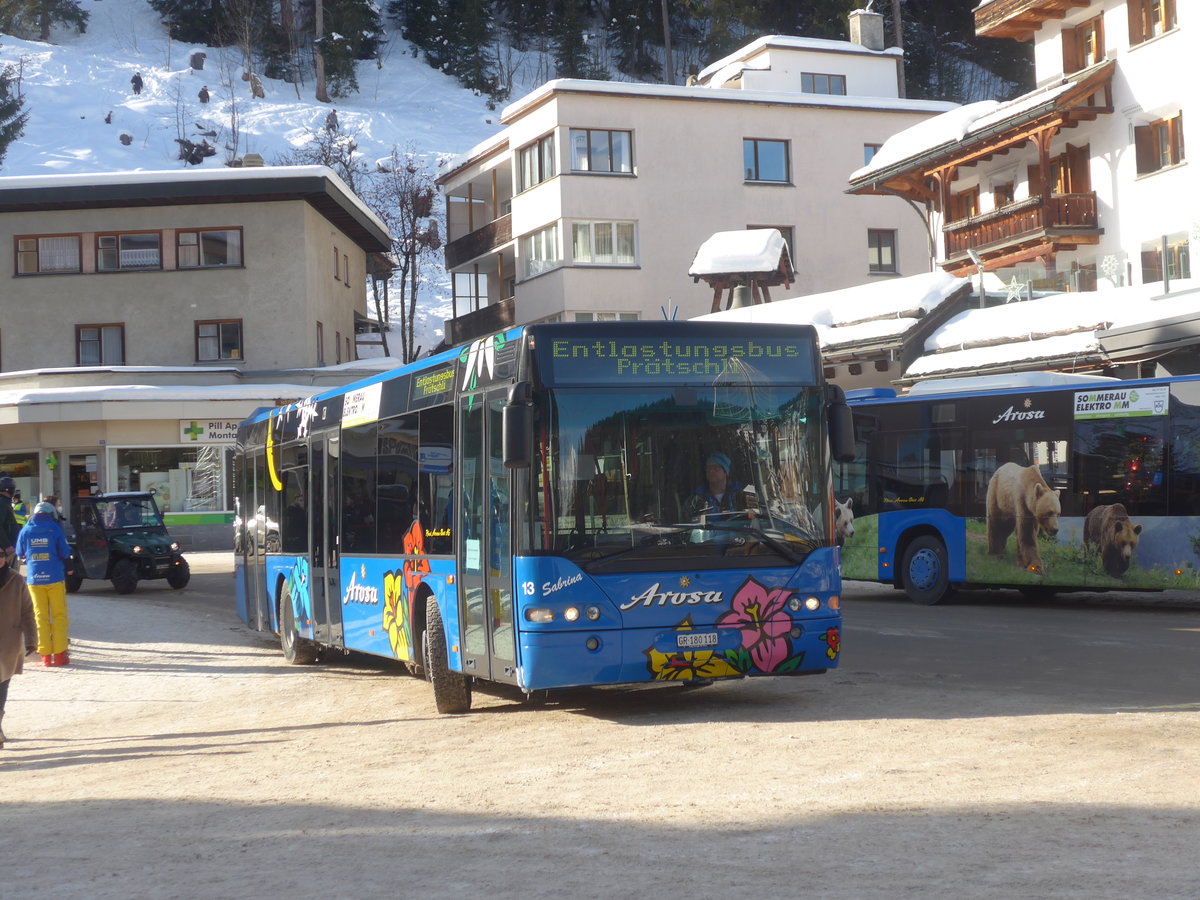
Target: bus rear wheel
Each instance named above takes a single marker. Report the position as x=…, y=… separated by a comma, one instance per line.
x=925, y=571
x=296, y=650
x=451, y=691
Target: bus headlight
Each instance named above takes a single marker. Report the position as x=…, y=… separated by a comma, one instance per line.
x=592, y=613
x=812, y=604
x=794, y=604
x=539, y=616
x=571, y=614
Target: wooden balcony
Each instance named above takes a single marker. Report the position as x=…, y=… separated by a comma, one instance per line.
x=492, y=236
x=481, y=322
x=1037, y=225
x=1019, y=19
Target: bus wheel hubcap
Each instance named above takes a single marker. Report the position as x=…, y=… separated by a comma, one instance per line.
x=924, y=569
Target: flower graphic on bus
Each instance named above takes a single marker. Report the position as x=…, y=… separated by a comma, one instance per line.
x=297, y=589
x=687, y=665
x=760, y=616
x=398, y=591
x=833, y=638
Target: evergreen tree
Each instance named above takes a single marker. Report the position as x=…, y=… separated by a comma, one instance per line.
x=634, y=25
x=34, y=18
x=568, y=25
x=12, y=114
x=191, y=21
x=469, y=44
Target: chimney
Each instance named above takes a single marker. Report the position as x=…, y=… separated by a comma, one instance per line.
x=866, y=28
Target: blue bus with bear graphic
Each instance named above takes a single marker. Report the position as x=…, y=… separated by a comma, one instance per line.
x=536, y=509
x=1041, y=481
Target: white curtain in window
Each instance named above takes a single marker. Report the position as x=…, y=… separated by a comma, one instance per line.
x=58, y=254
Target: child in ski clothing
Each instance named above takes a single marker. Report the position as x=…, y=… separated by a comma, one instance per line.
x=44, y=548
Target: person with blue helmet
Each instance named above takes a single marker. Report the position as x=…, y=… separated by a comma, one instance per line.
x=47, y=555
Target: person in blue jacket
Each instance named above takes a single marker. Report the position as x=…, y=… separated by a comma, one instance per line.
x=719, y=492
x=47, y=556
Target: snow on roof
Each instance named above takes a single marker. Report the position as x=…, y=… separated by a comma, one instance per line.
x=955, y=126
x=265, y=393
x=753, y=250
x=789, y=42
x=867, y=312
x=1008, y=380
x=1053, y=327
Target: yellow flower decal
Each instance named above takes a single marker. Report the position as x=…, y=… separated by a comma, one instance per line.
x=394, y=622
x=687, y=665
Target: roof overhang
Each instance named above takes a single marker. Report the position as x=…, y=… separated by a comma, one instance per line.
x=318, y=187
x=1020, y=19
x=1067, y=103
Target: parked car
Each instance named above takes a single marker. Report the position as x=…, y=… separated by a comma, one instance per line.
x=121, y=537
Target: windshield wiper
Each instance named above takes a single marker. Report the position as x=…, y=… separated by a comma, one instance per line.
x=779, y=546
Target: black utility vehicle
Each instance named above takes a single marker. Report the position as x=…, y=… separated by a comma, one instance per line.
x=121, y=537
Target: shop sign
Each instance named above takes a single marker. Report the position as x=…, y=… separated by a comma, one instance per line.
x=208, y=431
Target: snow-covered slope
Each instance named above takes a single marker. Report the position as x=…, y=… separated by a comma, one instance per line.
x=73, y=84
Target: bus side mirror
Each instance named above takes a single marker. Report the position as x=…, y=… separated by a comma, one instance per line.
x=841, y=424
x=518, y=426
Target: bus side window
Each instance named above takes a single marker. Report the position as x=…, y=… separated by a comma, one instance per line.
x=295, y=511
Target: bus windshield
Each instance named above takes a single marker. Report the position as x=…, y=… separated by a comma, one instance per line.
x=722, y=474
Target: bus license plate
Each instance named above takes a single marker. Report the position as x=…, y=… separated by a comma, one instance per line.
x=690, y=640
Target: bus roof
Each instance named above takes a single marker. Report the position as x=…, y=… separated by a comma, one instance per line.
x=1008, y=381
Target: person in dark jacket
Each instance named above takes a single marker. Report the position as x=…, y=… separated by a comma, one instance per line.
x=203, y=94
x=18, y=633
x=9, y=529
x=719, y=492
x=47, y=554
x=136, y=83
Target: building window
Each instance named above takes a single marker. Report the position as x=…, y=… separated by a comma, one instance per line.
x=537, y=162
x=218, y=340
x=964, y=204
x=869, y=151
x=1159, y=144
x=337, y=265
x=1003, y=194
x=540, y=251
x=349, y=357
x=765, y=160
x=881, y=251
x=215, y=249
x=128, y=252
x=817, y=83
x=1150, y=18
x=48, y=255
x=1178, y=258
x=337, y=348
x=100, y=345
x=603, y=243
x=605, y=317
x=601, y=151
x=320, y=344
x=1083, y=45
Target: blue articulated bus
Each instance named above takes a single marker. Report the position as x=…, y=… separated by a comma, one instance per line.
x=538, y=509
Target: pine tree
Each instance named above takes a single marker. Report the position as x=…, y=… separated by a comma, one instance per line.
x=12, y=114
x=633, y=26
x=34, y=18
x=190, y=21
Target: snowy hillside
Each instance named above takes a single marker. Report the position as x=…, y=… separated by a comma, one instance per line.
x=72, y=85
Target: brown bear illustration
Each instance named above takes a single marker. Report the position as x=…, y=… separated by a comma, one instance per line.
x=1108, y=529
x=1019, y=498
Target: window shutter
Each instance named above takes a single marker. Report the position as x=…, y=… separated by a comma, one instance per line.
x=1143, y=141
x=1136, y=9
x=1176, y=126
x=1080, y=181
x=1168, y=14
x=1035, y=180
x=1070, y=43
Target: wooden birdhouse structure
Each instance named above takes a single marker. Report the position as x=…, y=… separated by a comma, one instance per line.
x=756, y=259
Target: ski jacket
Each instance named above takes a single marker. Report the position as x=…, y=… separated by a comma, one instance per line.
x=45, y=550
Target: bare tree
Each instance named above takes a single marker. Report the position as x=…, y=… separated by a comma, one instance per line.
x=403, y=195
x=337, y=149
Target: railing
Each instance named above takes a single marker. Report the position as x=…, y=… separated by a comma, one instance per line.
x=491, y=236
x=1018, y=220
x=487, y=320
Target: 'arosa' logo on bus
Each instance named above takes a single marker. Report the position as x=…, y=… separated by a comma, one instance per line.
x=1020, y=415
x=360, y=593
x=652, y=596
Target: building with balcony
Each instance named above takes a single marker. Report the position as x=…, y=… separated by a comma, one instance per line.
x=593, y=200
x=147, y=313
x=1081, y=183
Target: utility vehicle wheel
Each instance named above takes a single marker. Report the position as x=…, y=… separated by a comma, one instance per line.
x=451, y=691
x=296, y=650
x=925, y=571
x=125, y=576
x=180, y=575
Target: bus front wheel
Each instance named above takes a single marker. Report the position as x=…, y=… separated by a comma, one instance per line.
x=451, y=691
x=926, y=571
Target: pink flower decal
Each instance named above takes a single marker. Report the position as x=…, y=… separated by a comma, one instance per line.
x=762, y=618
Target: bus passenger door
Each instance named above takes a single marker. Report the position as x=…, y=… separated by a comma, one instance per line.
x=485, y=552
x=326, y=593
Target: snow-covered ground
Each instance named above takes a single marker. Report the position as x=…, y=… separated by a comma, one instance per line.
x=76, y=82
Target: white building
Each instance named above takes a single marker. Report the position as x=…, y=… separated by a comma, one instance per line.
x=1083, y=182
x=594, y=199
